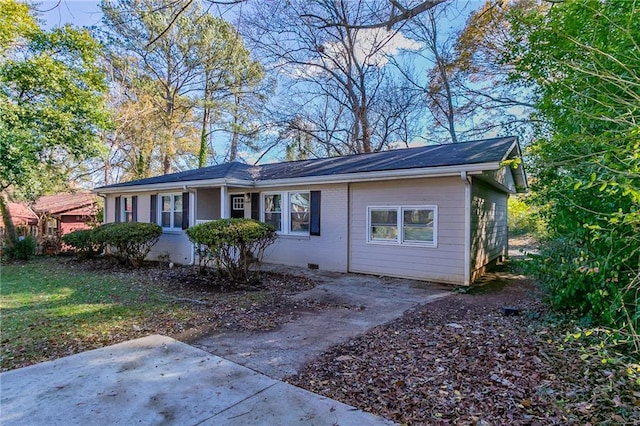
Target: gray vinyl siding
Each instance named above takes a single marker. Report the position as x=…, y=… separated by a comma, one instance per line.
x=489, y=237
x=208, y=204
x=329, y=249
x=443, y=263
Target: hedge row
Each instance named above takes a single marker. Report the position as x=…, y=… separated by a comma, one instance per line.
x=130, y=242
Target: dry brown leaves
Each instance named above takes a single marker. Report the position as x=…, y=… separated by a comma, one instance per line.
x=460, y=361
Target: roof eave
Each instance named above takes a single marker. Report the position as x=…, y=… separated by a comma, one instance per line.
x=172, y=186
x=441, y=171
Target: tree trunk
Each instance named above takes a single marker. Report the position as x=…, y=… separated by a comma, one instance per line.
x=204, y=136
x=233, y=149
x=10, y=234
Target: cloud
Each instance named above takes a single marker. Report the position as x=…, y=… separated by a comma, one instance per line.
x=373, y=46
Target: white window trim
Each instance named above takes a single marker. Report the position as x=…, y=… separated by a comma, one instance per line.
x=400, y=225
x=234, y=197
x=173, y=196
x=123, y=203
x=285, y=211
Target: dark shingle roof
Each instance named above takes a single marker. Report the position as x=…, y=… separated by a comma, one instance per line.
x=475, y=152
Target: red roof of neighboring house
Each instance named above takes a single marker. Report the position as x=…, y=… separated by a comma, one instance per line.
x=63, y=204
x=82, y=211
x=22, y=215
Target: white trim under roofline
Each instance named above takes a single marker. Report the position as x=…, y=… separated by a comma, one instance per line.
x=172, y=186
x=443, y=171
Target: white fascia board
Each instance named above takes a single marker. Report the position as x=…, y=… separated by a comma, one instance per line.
x=443, y=171
x=175, y=186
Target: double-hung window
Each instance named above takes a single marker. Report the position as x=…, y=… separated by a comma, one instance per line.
x=126, y=204
x=403, y=225
x=288, y=212
x=171, y=211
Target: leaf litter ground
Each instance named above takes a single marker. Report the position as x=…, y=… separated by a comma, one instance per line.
x=460, y=361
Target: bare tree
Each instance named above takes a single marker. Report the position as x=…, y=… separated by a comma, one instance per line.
x=335, y=76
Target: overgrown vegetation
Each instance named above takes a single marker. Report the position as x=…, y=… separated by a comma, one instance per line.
x=21, y=249
x=523, y=218
x=232, y=246
x=84, y=242
x=130, y=242
x=582, y=59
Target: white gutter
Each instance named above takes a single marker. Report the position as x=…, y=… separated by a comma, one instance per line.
x=467, y=227
x=443, y=171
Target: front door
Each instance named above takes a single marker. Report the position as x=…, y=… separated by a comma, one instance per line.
x=237, y=206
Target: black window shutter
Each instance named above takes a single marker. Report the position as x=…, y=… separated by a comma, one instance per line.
x=314, y=225
x=118, y=210
x=255, y=205
x=153, y=216
x=134, y=208
x=185, y=210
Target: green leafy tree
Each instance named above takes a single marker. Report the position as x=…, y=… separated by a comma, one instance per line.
x=180, y=71
x=581, y=60
x=51, y=101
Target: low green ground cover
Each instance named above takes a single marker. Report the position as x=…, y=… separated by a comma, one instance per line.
x=46, y=304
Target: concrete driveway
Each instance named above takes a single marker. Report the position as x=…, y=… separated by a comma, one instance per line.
x=157, y=380
x=362, y=302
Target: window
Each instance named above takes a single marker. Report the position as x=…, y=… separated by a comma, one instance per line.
x=126, y=215
x=288, y=212
x=410, y=225
x=237, y=202
x=52, y=227
x=384, y=224
x=299, y=212
x=417, y=225
x=171, y=211
x=273, y=210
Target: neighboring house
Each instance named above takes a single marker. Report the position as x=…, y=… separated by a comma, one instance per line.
x=436, y=213
x=61, y=214
x=24, y=219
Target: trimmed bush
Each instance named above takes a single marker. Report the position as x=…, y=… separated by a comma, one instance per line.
x=130, y=242
x=232, y=245
x=84, y=242
x=22, y=249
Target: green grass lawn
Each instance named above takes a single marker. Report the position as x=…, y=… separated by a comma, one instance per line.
x=50, y=309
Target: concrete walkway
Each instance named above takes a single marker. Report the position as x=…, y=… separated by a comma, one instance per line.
x=361, y=303
x=159, y=381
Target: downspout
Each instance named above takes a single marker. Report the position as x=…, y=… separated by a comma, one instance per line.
x=467, y=227
x=104, y=216
x=192, y=219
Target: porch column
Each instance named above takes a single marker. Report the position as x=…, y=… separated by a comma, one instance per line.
x=224, y=203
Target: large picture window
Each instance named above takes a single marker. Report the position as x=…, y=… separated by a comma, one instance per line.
x=288, y=212
x=409, y=225
x=171, y=211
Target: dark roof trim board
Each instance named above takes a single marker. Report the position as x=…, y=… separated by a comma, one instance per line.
x=433, y=160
